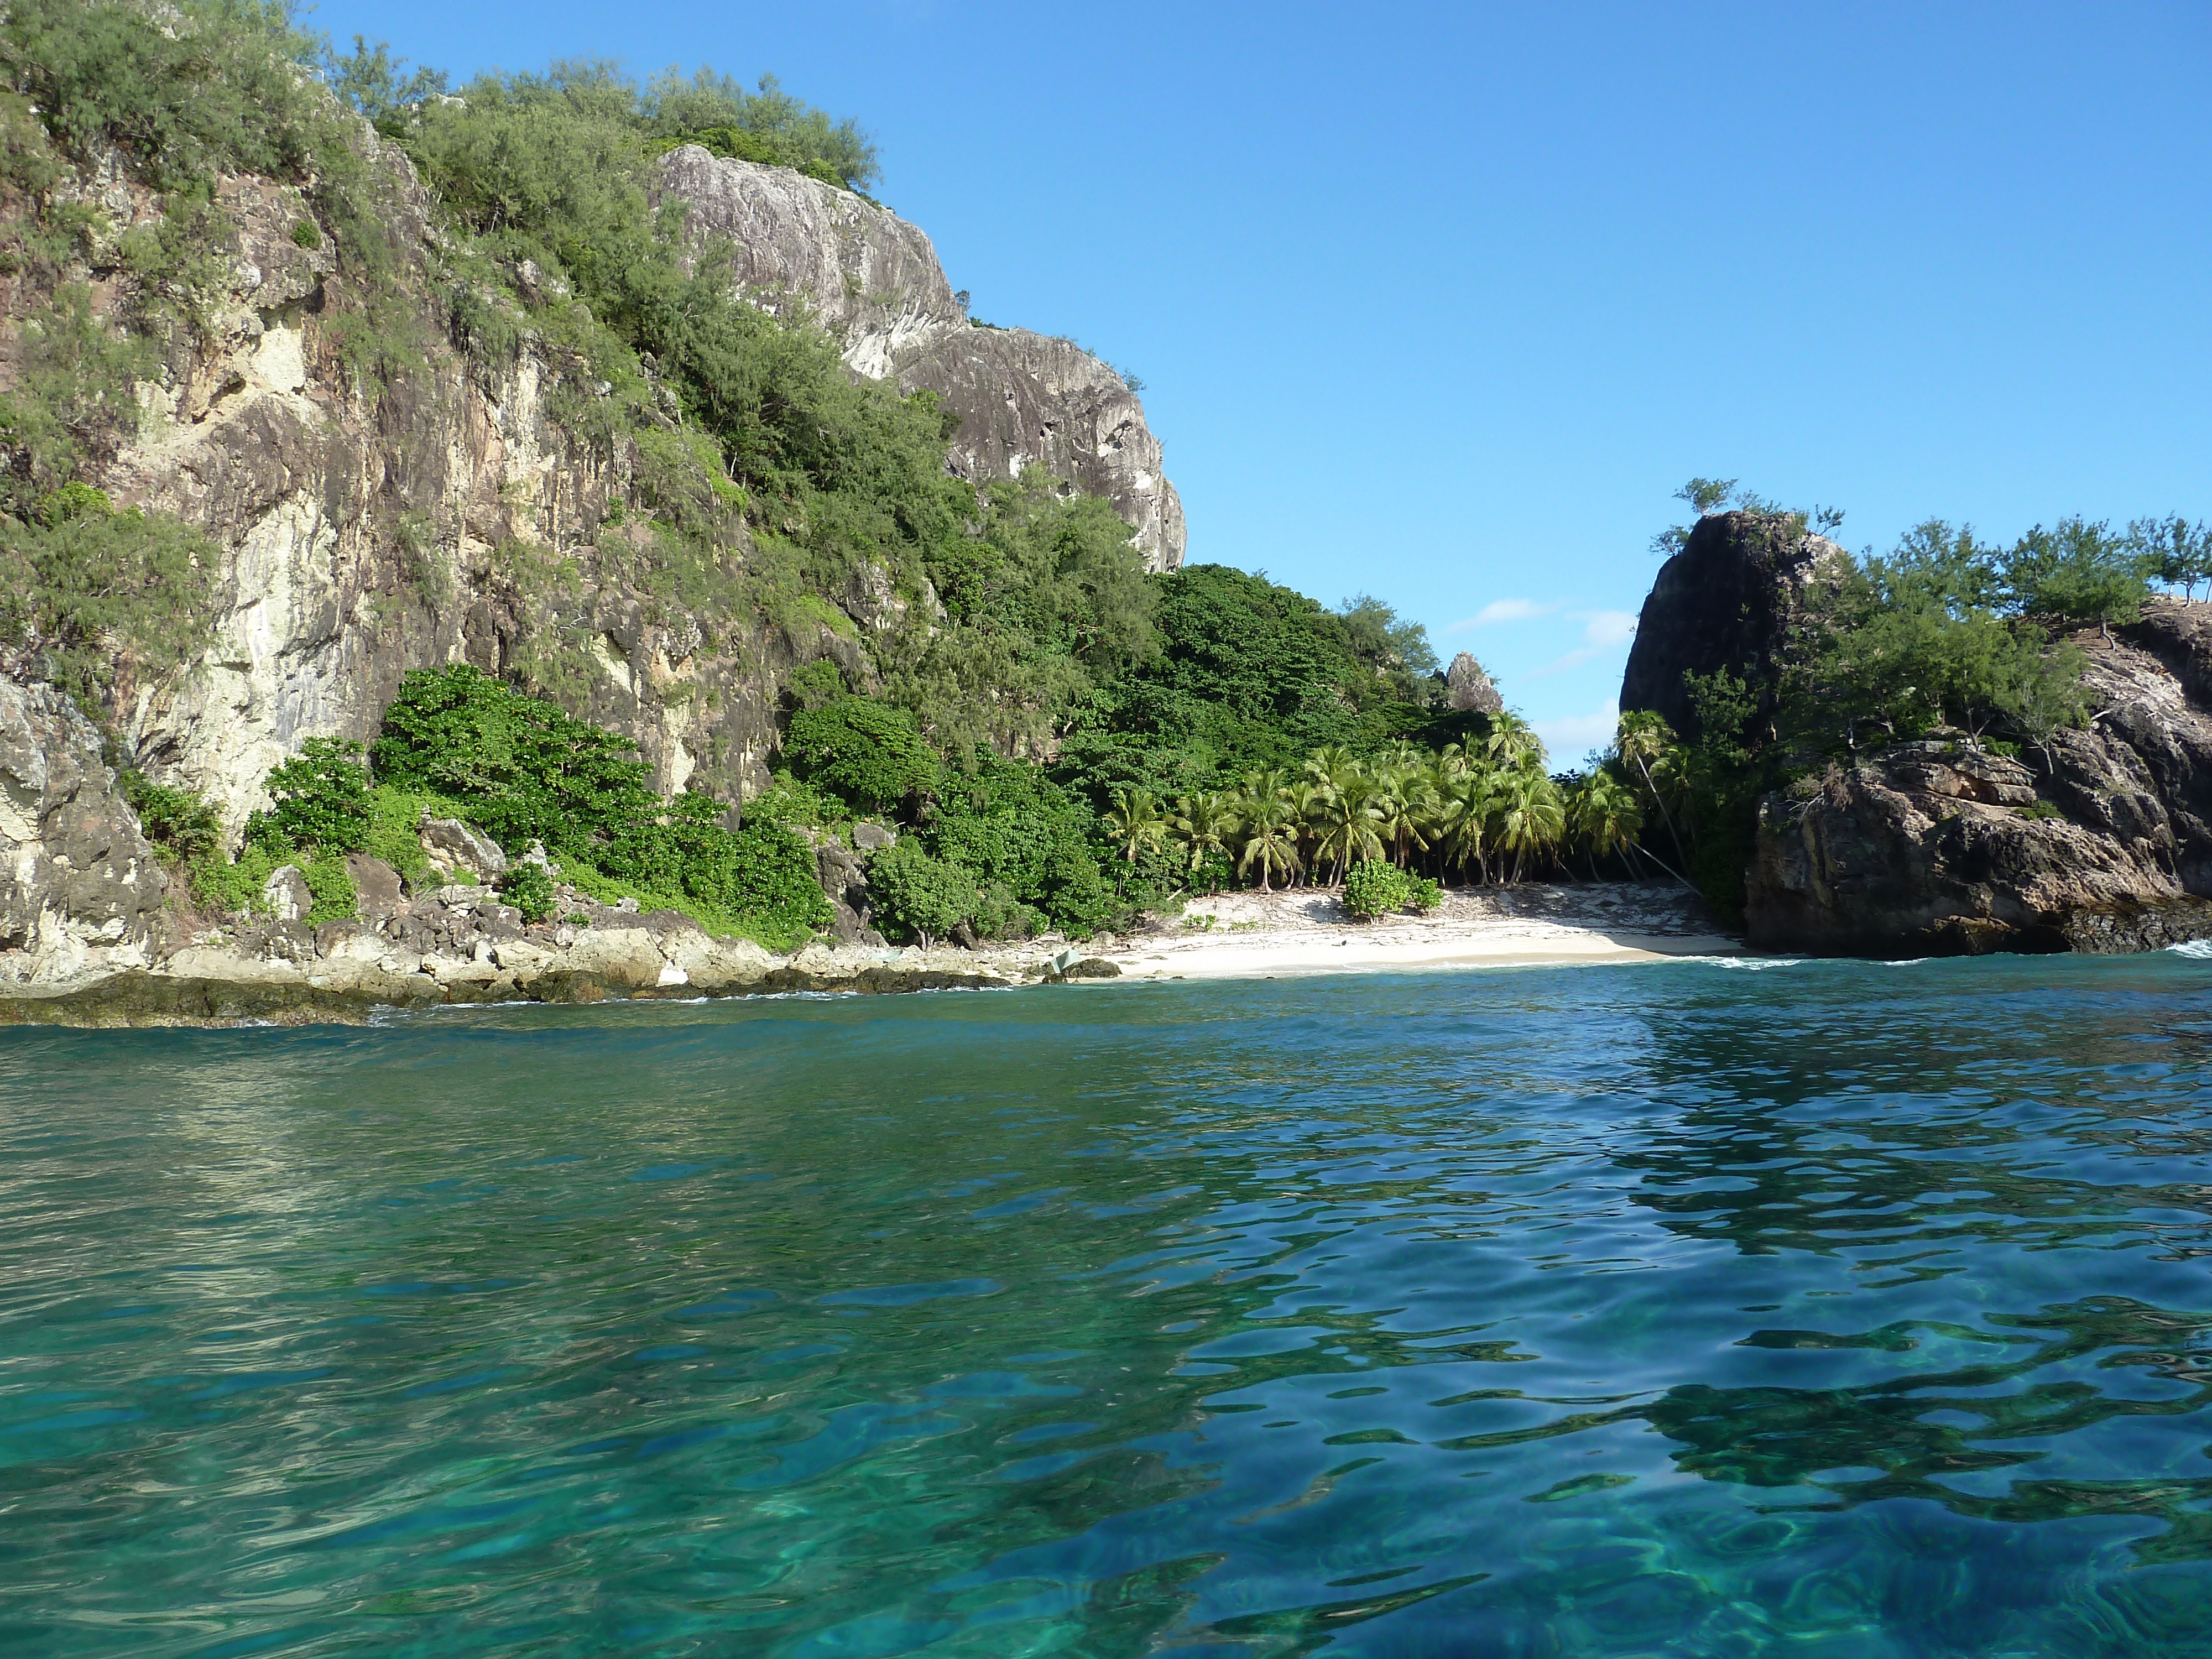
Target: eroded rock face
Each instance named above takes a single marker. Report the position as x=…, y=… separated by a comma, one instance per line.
x=2099, y=840
x=1726, y=602
x=80, y=888
x=807, y=249
x=1469, y=689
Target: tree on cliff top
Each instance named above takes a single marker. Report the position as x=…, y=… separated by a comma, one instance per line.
x=2079, y=572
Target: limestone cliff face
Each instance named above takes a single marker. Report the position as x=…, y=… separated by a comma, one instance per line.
x=79, y=887
x=453, y=506
x=804, y=248
x=453, y=513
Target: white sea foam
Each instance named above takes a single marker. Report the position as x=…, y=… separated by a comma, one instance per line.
x=2199, y=948
x=1749, y=964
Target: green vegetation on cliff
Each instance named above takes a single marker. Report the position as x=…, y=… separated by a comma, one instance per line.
x=1019, y=677
x=1944, y=633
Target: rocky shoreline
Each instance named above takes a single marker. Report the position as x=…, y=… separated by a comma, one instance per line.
x=354, y=974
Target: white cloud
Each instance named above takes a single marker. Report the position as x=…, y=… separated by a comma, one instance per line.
x=1605, y=629
x=1603, y=633
x=1578, y=734
x=1501, y=611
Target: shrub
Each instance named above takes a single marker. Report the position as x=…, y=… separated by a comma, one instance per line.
x=788, y=802
x=528, y=886
x=868, y=752
x=232, y=885
x=181, y=823
x=1426, y=893
x=920, y=895
x=103, y=594
x=519, y=767
x=1375, y=888
x=761, y=870
x=322, y=800
x=394, y=835
x=1011, y=828
x=336, y=897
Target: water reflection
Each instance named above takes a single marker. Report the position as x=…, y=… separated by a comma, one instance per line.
x=1592, y=1311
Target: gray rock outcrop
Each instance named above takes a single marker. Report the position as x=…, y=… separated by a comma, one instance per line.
x=80, y=889
x=1468, y=688
x=807, y=249
x=1726, y=602
x=451, y=845
x=2099, y=839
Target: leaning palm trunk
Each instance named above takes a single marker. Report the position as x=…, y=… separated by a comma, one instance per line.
x=1665, y=817
x=1668, y=868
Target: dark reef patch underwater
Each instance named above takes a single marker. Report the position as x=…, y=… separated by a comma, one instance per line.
x=1833, y=1309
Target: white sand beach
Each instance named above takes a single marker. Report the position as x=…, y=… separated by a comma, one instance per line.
x=1256, y=935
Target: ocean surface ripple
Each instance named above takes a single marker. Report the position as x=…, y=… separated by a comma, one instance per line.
x=1837, y=1310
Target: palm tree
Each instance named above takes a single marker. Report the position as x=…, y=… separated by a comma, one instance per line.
x=1531, y=819
x=1464, y=823
x=1403, y=810
x=1136, y=820
x=1205, y=822
x=1262, y=785
x=1604, y=816
x=1349, y=823
x=1308, y=802
x=1645, y=741
x=1331, y=763
x=1512, y=742
x=1270, y=838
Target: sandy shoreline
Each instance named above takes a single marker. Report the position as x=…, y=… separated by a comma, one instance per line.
x=1249, y=935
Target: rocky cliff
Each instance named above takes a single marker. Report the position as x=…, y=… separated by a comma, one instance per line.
x=804, y=248
x=366, y=517
x=2097, y=839
x=1726, y=603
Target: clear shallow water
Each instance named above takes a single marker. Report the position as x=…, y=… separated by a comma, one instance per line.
x=1831, y=1310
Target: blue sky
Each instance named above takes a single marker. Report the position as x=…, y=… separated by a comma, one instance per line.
x=1441, y=303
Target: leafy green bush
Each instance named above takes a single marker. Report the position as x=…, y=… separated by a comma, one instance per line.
x=1373, y=888
x=795, y=805
x=763, y=871
x=236, y=886
x=104, y=594
x=336, y=897
x=395, y=818
x=918, y=895
x=231, y=886
x=529, y=888
x=322, y=800
x=868, y=752
x=1425, y=893
x=1016, y=832
x=519, y=767
x=182, y=824
x=522, y=769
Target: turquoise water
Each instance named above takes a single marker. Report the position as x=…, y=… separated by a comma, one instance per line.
x=1825, y=1309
